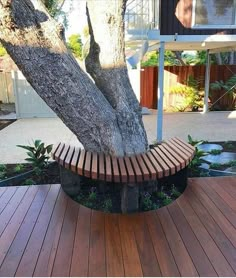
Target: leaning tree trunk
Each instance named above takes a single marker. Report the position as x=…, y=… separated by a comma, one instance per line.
x=105, y=116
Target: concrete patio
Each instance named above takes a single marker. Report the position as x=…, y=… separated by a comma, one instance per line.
x=213, y=126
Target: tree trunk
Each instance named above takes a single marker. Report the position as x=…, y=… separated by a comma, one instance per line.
x=105, y=116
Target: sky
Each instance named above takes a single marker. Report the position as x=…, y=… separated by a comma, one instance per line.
x=76, y=16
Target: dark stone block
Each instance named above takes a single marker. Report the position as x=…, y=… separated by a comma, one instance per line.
x=70, y=181
x=130, y=198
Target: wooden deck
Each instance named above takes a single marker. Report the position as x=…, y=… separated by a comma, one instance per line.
x=45, y=233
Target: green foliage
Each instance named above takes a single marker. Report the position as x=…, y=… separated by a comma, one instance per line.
x=107, y=205
x=196, y=161
x=167, y=201
x=54, y=8
x=38, y=154
x=29, y=182
x=152, y=59
x=174, y=192
x=75, y=45
x=192, y=97
x=92, y=194
x=19, y=168
x=147, y=203
x=3, y=168
x=3, y=171
x=232, y=163
x=3, y=51
x=215, y=152
x=228, y=86
x=161, y=195
x=228, y=145
x=215, y=166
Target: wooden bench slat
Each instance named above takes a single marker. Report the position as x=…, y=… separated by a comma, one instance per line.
x=108, y=168
x=59, y=151
x=63, y=155
x=184, y=143
x=74, y=160
x=101, y=166
x=175, y=155
x=115, y=167
x=166, y=159
x=137, y=170
x=145, y=170
x=87, y=165
x=158, y=168
x=80, y=166
x=150, y=167
x=161, y=162
x=131, y=175
x=69, y=157
x=123, y=171
x=54, y=150
x=94, y=170
x=179, y=150
x=188, y=152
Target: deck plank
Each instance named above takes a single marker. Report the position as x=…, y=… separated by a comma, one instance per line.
x=10, y=208
x=213, y=252
x=48, y=250
x=217, y=234
x=162, y=249
x=80, y=256
x=29, y=259
x=114, y=259
x=181, y=255
x=97, y=257
x=62, y=262
x=198, y=256
x=15, y=252
x=149, y=263
x=46, y=233
x=10, y=231
x=215, y=213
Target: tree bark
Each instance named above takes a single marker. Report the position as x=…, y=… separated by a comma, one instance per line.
x=105, y=116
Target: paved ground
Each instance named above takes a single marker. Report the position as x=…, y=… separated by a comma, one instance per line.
x=214, y=126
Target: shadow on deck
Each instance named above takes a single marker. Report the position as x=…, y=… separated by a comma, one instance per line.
x=44, y=233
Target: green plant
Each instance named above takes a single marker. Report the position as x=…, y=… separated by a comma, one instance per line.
x=232, y=163
x=107, y=205
x=174, y=192
x=215, y=165
x=228, y=145
x=167, y=201
x=38, y=154
x=92, y=194
x=161, y=195
x=3, y=168
x=215, y=152
x=18, y=168
x=147, y=203
x=29, y=182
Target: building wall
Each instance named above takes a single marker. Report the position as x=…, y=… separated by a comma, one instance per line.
x=176, y=17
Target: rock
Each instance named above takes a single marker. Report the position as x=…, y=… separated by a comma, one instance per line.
x=224, y=157
x=231, y=169
x=209, y=147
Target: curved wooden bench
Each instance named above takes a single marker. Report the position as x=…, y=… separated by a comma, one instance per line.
x=163, y=160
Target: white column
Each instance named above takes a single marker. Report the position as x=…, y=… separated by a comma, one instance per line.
x=160, y=92
x=207, y=82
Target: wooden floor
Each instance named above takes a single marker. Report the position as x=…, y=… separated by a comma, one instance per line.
x=45, y=233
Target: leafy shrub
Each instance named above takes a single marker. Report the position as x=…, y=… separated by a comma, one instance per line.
x=29, y=182
x=107, y=206
x=38, y=154
x=215, y=152
x=215, y=165
x=19, y=168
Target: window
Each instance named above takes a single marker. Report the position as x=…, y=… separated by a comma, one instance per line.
x=213, y=14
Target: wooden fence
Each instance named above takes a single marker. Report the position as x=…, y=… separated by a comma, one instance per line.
x=174, y=75
x=6, y=88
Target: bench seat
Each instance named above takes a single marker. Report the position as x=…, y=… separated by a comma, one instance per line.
x=161, y=161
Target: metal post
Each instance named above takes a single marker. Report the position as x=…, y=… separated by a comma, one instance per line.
x=160, y=92
x=207, y=82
